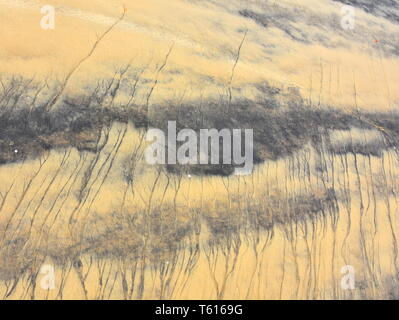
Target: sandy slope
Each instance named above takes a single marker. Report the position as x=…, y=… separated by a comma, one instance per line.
x=290, y=43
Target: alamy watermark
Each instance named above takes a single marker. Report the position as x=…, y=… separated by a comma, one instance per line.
x=348, y=20
x=47, y=282
x=201, y=148
x=47, y=22
x=348, y=278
